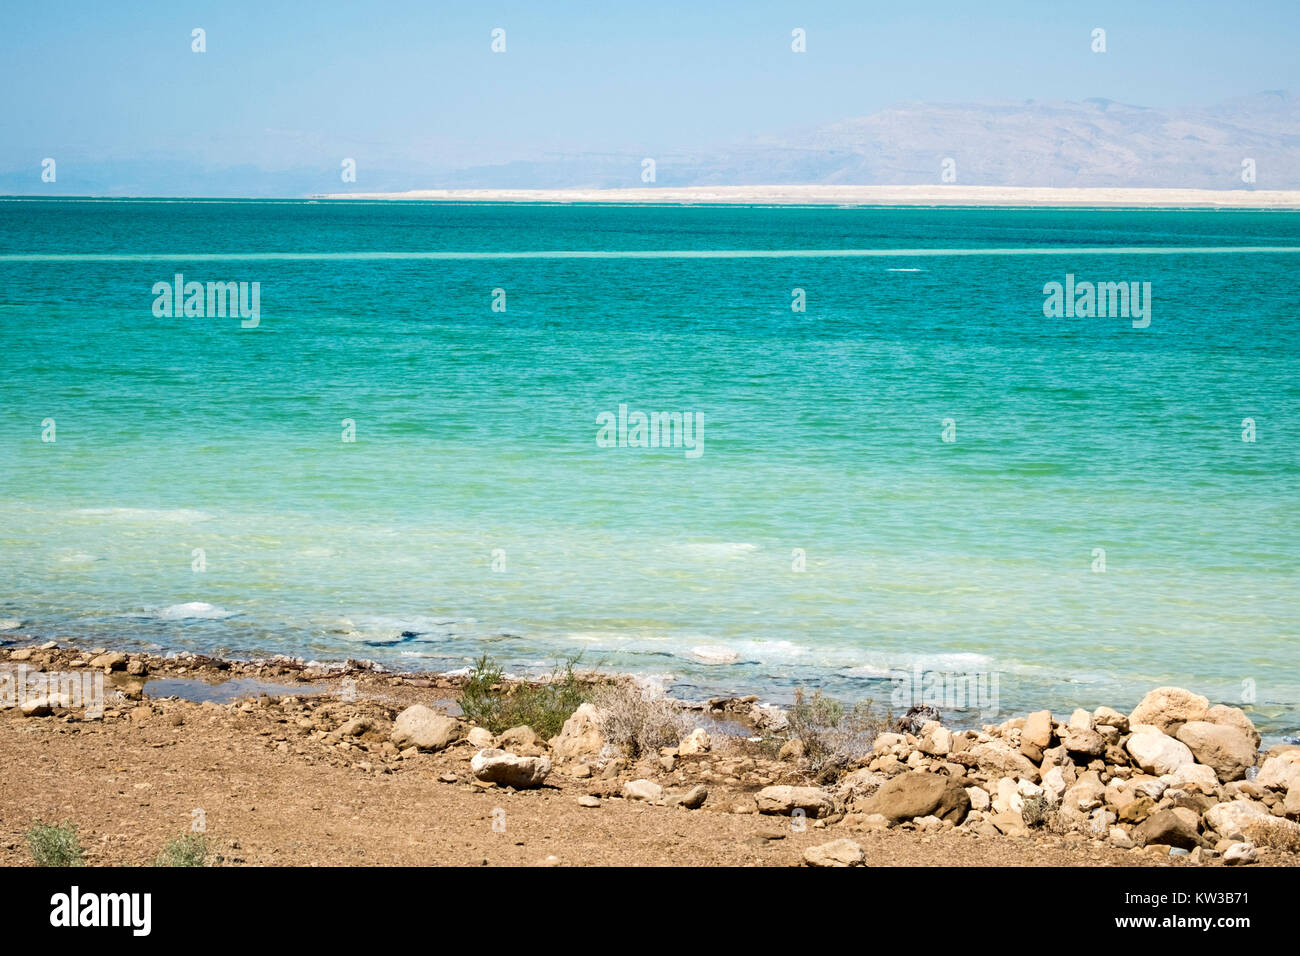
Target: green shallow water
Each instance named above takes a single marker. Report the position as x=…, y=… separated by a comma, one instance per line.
x=476, y=436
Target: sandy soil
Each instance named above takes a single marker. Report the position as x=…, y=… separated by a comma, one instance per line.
x=950, y=195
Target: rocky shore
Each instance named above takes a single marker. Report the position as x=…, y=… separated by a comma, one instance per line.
x=348, y=764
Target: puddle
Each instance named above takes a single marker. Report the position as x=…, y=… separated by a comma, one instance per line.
x=189, y=688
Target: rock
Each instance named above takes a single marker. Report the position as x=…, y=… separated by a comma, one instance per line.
x=1226, y=716
x=938, y=742
x=116, y=661
x=1110, y=717
x=783, y=800
x=1036, y=735
x=480, y=737
x=1240, y=854
x=580, y=736
x=522, y=740
x=917, y=716
x=887, y=742
x=1168, y=708
x=1084, y=741
x=979, y=798
x=1085, y=795
x=1008, y=797
x=1135, y=811
x=1281, y=772
x=509, y=770
x=419, y=726
x=916, y=794
x=1227, y=750
x=791, y=751
x=694, y=743
x=694, y=798
x=1166, y=827
x=1157, y=753
x=1054, y=785
x=1232, y=818
x=997, y=758
x=137, y=667
x=1009, y=823
x=1080, y=719
x=1193, y=776
x=1120, y=838
x=646, y=790
x=22, y=654
x=836, y=853
x=587, y=800
x=356, y=727
x=36, y=707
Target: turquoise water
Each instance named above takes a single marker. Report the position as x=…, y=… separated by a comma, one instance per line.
x=476, y=430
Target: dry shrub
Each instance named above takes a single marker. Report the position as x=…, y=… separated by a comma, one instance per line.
x=639, y=720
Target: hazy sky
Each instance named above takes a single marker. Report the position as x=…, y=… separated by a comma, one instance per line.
x=416, y=83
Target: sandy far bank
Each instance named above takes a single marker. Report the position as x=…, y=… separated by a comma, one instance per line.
x=952, y=195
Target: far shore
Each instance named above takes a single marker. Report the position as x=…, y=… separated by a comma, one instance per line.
x=932, y=195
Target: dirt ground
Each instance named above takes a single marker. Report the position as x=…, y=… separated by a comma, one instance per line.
x=275, y=787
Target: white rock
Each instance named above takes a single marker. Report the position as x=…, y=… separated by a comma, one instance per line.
x=419, y=726
x=979, y=798
x=1281, y=772
x=1158, y=753
x=1054, y=785
x=510, y=770
x=1008, y=798
x=646, y=790
x=580, y=736
x=1080, y=720
x=1234, y=816
x=696, y=742
x=1240, y=854
x=837, y=853
x=1193, y=775
x=784, y=800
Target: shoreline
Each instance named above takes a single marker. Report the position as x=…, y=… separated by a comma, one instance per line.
x=349, y=761
x=922, y=196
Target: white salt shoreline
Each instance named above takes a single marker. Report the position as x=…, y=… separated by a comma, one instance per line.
x=952, y=195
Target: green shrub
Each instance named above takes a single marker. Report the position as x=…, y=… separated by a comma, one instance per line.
x=544, y=706
x=190, y=850
x=55, y=845
x=833, y=735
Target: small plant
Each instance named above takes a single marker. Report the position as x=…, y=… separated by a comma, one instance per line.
x=833, y=735
x=639, y=720
x=544, y=706
x=52, y=845
x=190, y=850
x=1036, y=811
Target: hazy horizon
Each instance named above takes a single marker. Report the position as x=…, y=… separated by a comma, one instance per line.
x=275, y=103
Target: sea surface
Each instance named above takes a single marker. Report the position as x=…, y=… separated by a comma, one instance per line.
x=199, y=493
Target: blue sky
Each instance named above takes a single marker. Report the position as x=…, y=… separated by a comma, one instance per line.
x=415, y=85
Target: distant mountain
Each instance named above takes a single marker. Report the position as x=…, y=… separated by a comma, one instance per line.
x=1093, y=143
